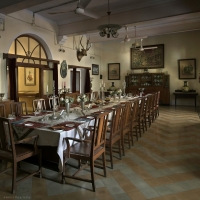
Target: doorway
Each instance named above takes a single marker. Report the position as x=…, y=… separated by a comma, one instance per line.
x=78, y=80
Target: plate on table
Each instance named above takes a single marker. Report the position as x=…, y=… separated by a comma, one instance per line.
x=28, y=124
x=70, y=125
x=90, y=117
x=11, y=118
x=57, y=128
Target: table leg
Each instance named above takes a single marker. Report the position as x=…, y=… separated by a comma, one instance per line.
x=175, y=101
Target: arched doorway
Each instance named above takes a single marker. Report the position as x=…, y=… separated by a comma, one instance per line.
x=31, y=73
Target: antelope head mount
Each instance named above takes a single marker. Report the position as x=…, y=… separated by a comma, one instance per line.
x=83, y=51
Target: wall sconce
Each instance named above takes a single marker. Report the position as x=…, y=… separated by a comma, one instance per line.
x=61, y=50
x=50, y=64
x=33, y=20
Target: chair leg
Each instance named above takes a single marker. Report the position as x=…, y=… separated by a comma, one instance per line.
x=63, y=172
x=40, y=163
x=119, y=147
x=123, y=150
x=14, y=177
x=111, y=156
x=129, y=140
x=145, y=123
x=104, y=163
x=149, y=119
x=92, y=174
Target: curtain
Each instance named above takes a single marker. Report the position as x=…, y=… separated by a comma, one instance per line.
x=13, y=80
x=87, y=81
x=74, y=80
x=55, y=77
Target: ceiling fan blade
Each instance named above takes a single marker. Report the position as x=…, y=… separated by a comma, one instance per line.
x=56, y=13
x=150, y=47
x=87, y=13
x=83, y=3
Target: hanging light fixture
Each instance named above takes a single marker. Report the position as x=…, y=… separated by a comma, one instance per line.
x=33, y=20
x=109, y=29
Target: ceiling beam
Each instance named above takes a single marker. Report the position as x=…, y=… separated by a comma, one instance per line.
x=7, y=7
x=136, y=16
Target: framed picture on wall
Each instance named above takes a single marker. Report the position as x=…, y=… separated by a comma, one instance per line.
x=113, y=71
x=151, y=57
x=30, y=76
x=187, y=68
x=95, y=69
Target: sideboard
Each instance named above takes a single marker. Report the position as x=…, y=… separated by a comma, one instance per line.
x=151, y=82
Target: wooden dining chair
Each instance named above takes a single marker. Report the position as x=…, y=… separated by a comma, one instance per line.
x=19, y=108
x=148, y=103
x=88, y=149
x=152, y=107
x=134, y=118
x=141, y=115
x=126, y=126
x=95, y=95
x=2, y=110
x=15, y=151
x=39, y=104
x=157, y=105
x=114, y=130
x=57, y=102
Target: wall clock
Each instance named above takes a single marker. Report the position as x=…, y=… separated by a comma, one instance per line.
x=63, y=69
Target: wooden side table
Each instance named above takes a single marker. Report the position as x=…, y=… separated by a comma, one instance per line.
x=188, y=95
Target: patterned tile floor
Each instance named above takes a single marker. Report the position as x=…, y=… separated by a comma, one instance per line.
x=163, y=165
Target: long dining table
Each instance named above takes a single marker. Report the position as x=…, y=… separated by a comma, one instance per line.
x=52, y=132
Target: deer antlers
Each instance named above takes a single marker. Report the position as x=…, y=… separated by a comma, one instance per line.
x=83, y=51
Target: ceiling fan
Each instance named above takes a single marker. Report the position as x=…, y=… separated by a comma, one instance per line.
x=144, y=48
x=80, y=9
x=141, y=48
x=126, y=39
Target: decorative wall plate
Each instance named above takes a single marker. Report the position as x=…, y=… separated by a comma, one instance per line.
x=63, y=69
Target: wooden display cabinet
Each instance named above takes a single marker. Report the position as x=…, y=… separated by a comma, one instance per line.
x=152, y=82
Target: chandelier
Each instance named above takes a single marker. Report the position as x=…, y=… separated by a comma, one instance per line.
x=109, y=29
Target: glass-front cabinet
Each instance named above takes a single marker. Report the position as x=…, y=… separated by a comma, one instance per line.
x=152, y=82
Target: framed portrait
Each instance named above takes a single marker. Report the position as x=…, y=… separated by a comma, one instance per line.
x=30, y=76
x=113, y=71
x=151, y=57
x=187, y=68
x=63, y=69
x=95, y=69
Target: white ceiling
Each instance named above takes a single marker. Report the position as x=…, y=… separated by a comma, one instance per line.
x=151, y=17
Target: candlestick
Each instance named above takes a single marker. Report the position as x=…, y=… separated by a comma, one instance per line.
x=47, y=89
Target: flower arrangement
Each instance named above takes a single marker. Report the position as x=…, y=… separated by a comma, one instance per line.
x=67, y=99
x=82, y=98
x=116, y=91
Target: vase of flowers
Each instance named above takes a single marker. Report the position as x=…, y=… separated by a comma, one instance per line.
x=82, y=99
x=68, y=101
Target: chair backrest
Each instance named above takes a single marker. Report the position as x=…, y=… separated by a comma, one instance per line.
x=99, y=132
x=155, y=99
x=2, y=110
x=141, y=107
x=88, y=94
x=95, y=95
x=6, y=137
x=158, y=98
x=39, y=104
x=57, y=102
x=135, y=109
x=127, y=114
x=117, y=120
x=19, y=108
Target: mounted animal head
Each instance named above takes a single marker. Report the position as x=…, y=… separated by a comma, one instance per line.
x=83, y=51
